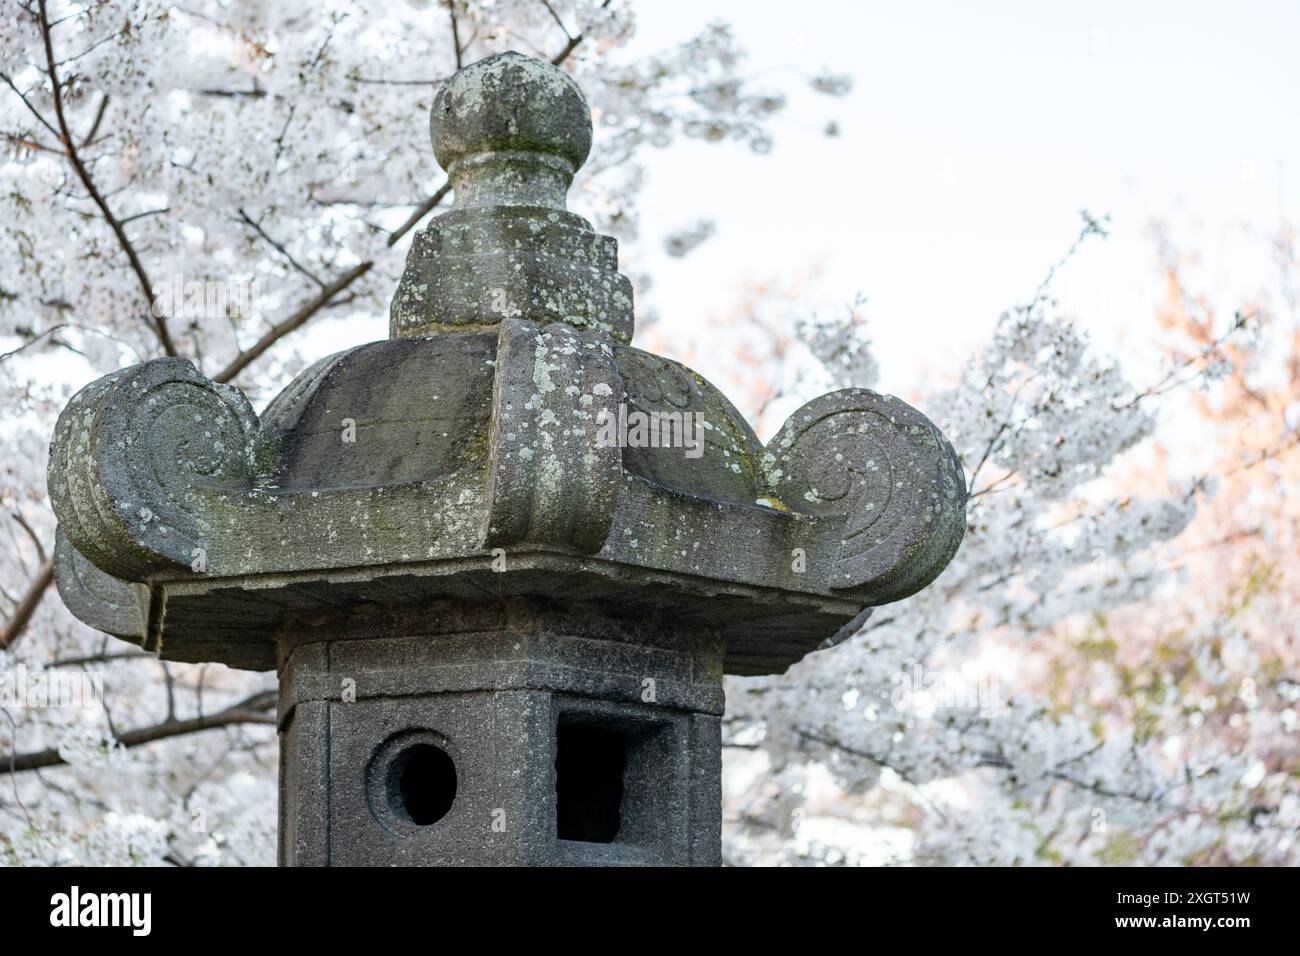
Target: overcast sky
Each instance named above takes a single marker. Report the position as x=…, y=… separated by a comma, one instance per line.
x=974, y=135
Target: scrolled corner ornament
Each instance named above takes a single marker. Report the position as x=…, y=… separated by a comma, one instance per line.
x=134, y=456
x=888, y=473
x=111, y=605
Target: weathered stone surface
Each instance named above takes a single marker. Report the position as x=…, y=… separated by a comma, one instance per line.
x=510, y=130
x=476, y=267
x=883, y=469
x=434, y=543
x=140, y=461
x=104, y=602
x=549, y=482
x=500, y=689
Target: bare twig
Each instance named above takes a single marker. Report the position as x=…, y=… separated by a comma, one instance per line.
x=295, y=321
x=1171, y=380
x=99, y=659
x=28, y=143
x=558, y=22
x=27, y=605
x=99, y=118
x=380, y=81
x=28, y=103
x=875, y=759
x=69, y=143
x=572, y=44
x=252, y=710
x=326, y=294
x=30, y=342
x=255, y=93
x=146, y=214
x=279, y=247
x=31, y=533
x=455, y=33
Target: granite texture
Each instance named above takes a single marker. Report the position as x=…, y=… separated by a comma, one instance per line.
x=500, y=689
x=437, y=519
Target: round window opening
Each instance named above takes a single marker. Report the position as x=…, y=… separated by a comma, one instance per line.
x=421, y=784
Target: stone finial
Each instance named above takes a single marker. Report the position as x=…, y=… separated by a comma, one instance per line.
x=510, y=130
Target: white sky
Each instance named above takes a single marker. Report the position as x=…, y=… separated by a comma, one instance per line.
x=973, y=136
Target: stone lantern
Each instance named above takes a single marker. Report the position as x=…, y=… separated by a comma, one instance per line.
x=502, y=560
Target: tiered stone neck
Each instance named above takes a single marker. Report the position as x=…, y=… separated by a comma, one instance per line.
x=511, y=132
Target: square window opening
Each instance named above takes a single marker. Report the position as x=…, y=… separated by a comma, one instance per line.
x=590, y=765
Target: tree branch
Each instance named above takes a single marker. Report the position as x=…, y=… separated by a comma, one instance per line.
x=99, y=118
x=330, y=290
x=279, y=247
x=573, y=43
x=31, y=534
x=31, y=144
x=14, y=628
x=69, y=143
x=251, y=710
x=295, y=321
x=558, y=22
x=455, y=33
x=45, y=575
x=99, y=659
x=326, y=294
x=28, y=103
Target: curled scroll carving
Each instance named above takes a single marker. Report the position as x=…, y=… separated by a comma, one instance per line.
x=137, y=457
x=888, y=472
x=113, y=606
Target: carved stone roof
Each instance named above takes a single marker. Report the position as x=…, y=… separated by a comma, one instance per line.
x=475, y=469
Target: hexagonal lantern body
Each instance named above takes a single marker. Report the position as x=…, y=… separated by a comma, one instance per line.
x=502, y=560
x=501, y=733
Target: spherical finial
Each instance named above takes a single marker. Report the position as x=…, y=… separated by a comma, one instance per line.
x=510, y=103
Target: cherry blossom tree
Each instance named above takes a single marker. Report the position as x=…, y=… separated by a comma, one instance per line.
x=274, y=153
x=1106, y=672
x=1038, y=704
